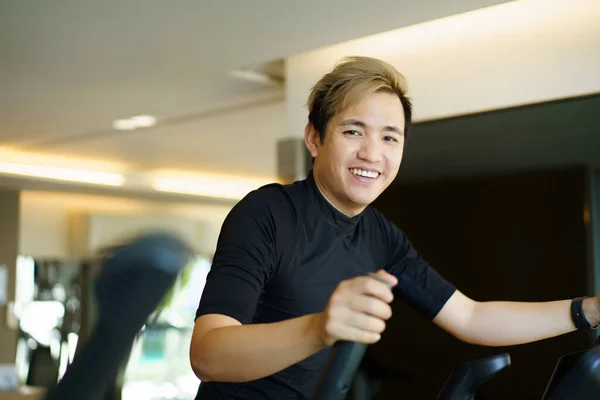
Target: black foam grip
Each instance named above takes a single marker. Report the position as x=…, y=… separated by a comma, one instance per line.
x=343, y=363
x=340, y=370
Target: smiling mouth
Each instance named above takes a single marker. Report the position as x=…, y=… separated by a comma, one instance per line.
x=365, y=174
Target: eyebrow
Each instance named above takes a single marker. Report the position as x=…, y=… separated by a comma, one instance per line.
x=357, y=122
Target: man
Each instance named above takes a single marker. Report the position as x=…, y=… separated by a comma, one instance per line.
x=289, y=274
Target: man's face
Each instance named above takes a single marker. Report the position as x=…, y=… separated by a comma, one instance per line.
x=361, y=153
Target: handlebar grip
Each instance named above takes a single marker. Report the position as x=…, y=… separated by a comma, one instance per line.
x=340, y=371
x=342, y=366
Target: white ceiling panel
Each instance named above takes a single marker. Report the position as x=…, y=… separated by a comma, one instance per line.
x=70, y=68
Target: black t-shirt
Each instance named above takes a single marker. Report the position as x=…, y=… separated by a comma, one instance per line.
x=281, y=253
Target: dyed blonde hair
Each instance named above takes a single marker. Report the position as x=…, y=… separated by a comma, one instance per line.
x=353, y=79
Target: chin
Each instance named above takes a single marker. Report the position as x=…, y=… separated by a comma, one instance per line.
x=363, y=201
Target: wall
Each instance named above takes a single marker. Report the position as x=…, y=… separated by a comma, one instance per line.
x=9, y=211
x=512, y=54
x=593, y=221
x=515, y=237
x=46, y=217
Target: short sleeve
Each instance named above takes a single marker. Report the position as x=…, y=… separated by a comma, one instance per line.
x=419, y=285
x=244, y=258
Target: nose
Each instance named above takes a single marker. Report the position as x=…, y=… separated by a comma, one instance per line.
x=370, y=150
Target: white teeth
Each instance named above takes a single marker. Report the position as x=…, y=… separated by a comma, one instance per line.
x=368, y=174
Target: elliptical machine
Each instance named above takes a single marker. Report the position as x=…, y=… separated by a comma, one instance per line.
x=150, y=265
x=575, y=377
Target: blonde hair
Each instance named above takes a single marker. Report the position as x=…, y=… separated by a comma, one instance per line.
x=352, y=79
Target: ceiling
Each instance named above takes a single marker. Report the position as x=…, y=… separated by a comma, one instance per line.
x=69, y=68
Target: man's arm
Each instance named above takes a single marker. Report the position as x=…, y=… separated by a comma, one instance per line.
x=225, y=346
x=503, y=323
x=223, y=349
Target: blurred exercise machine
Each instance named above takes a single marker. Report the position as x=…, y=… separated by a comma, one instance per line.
x=133, y=280
x=136, y=276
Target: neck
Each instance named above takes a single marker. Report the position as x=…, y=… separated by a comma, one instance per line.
x=347, y=211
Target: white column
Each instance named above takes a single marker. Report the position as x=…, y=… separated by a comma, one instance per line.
x=9, y=250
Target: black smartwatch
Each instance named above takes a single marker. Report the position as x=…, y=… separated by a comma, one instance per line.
x=577, y=314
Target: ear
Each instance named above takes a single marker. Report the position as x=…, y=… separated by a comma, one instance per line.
x=312, y=139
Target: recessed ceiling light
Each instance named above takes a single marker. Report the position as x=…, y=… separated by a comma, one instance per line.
x=138, y=121
x=144, y=121
x=124, y=125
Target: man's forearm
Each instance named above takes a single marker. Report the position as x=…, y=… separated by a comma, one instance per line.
x=511, y=323
x=248, y=352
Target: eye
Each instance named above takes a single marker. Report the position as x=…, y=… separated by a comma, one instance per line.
x=390, y=139
x=352, y=133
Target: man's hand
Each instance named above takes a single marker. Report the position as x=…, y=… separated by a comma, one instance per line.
x=357, y=310
x=591, y=310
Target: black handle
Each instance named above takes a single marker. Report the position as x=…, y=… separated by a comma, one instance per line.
x=581, y=381
x=343, y=363
x=576, y=376
x=339, y=373
x=466, y=380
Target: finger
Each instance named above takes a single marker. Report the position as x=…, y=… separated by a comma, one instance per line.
x=386, y=277
x=366, y=322
x=373, y=287
x=352, y=334
x=371, y=306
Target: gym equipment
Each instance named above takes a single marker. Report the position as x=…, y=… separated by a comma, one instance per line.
x=340, y=370
x=341, y=367
x=43, y=368
x=576, y=376
x=134, y=279
x=136, y=276
x=466, y=380
x=461, y=385
x=42, y=342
